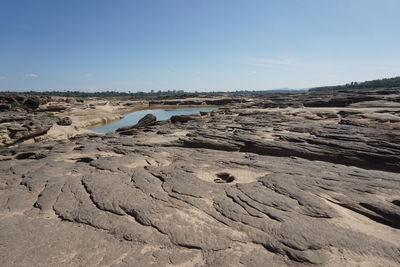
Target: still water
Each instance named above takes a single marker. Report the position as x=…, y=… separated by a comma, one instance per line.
x=161, y=114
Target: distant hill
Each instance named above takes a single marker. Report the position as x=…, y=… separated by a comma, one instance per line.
x=383, y=84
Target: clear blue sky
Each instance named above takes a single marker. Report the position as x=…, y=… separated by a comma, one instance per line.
x=196, y=44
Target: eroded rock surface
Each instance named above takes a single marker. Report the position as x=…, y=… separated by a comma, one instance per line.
x=244, y=186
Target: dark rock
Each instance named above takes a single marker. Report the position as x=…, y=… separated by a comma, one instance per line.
x=343, y=100
x=147, y=120
x=221, y=102
x=32, y=102
x=183, y=118
x=85, y=159
x=131, y=131
x=183, y=102
x=350, y=122
x=30, y=155
x=66, y=121
x=345, y=113
x=4, y=107
x=12, y=99
x=53, y=108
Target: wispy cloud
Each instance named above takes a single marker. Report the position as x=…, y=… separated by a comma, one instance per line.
x=286, y=63
x=3, y=78
x=88, y=75
x=31, y=76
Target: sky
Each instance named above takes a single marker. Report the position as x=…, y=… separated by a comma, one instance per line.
x=204, y=45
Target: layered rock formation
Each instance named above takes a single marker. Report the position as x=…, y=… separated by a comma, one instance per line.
x=28, y=119
x=243, y=186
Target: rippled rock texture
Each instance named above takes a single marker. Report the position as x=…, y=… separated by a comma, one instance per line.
x=244, y=186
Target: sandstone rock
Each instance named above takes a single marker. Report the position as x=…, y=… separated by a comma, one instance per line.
x=253, y=186
x=21, y=126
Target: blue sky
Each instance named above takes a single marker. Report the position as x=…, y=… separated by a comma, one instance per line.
x=196, y=44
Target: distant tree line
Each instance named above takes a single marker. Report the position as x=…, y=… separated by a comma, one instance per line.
x=390, y=83
x=105, y=94
x=108, y=93
x=150, y=94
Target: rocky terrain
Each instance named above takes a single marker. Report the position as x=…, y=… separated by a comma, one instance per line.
x=272, y=180
x=28, y=119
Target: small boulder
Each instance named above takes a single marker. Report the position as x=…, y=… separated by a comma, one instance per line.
x=147, y=120
x=32, y=102
x=66, y=121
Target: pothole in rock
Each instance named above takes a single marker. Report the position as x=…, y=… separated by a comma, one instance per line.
x=228, y=175
x=224, y=177
x=396, y=202
x=30, y=155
